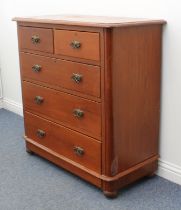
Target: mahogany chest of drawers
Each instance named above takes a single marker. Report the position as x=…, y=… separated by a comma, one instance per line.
x=91, y=95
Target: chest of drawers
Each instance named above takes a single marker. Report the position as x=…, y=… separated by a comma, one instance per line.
x=91, y=95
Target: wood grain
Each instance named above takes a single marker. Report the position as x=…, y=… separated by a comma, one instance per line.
x=87, y=20
x=107, y=132
x=59, y=73
x=63, y=162
x=111, y=188
x=89, y=48
x=64, y=27
x=121, y=64
x=59, y=106
x=63, y=140
x=136, y=74
x=46, y=39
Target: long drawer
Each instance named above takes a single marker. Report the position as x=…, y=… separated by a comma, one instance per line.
x=60, y=73
x=73, y=145
x=77, y=113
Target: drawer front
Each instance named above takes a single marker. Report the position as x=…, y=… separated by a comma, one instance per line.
x=77, y=44
x=38, y=39
x=70, y=75
x=71, y=144
x=72, y=111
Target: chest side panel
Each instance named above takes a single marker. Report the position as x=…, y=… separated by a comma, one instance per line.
x=136, y=55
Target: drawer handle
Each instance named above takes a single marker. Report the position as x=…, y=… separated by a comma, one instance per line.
x=78, y=113
x=75, y=44
x=79, y=151
x=76, y=78
x=38, y=99
x=35, y=39
x=36, y=68
x=40, y=133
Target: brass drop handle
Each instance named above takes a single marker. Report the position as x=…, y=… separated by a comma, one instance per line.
x=36, y=68
x=79, y=151
x=35, y=39
x=77, y=77
x=38, y=99
x=75, y=44
x=40, y=133
x=78, y=113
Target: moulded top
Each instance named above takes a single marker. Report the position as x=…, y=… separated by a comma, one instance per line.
x=93, y=21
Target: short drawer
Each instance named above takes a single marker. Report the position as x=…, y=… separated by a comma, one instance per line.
x=71, y=144
x=66, y=74
x=38, y=39
x=77, y=44
x=77, y=113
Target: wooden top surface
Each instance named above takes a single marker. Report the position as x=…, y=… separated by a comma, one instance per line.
x=83, y=20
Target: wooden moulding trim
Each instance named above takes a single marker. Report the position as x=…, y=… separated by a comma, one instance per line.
x=60, y=26
x=62, y=57
x=133, y=22
x=99, y=176
x=65, y=90
x=62, y=157
x=130, y=170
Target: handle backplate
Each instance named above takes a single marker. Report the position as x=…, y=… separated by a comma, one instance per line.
x=78, y=113
x=35, y=39
x=79, y=151
x=40, y=133
x=36, y=68
x=77, y=77
x=38, y=99
x=75, y=44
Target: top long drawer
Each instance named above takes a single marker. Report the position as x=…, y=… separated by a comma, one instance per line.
x=70, y=75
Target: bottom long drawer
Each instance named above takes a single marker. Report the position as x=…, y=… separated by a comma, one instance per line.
x=71, y=144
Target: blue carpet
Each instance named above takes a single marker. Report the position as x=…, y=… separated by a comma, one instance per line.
x=28, y=182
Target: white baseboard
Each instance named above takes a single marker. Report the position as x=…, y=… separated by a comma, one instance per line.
x=1, y=103
x=166, y=169
x=13, y=106
x=169, y=171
